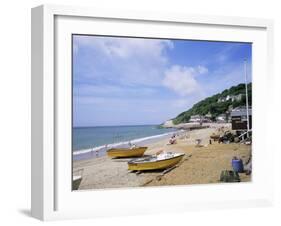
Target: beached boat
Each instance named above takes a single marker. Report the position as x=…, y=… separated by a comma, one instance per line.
x=77, y=178
x=126, y=152
x=156, y=162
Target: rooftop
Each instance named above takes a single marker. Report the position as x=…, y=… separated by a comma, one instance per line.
x=241, y=111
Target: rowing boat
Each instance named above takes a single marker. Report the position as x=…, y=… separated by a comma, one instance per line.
x=126, y=152
x=155, y=162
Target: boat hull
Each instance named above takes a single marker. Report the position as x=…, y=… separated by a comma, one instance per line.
x=126, y=152
x=157, y=165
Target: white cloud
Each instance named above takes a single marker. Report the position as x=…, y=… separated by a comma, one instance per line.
x=124, y=47
x=202, y=69
x=182, y=79
x=128, y=60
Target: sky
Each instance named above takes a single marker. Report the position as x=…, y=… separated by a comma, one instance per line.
x=138, y=81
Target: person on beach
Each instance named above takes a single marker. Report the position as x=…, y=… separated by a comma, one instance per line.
x=172, y=139
x=132, y=145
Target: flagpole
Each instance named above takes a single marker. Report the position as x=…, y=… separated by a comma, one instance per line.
x=247, y=104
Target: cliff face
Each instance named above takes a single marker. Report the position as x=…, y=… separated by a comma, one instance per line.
x=168, y=124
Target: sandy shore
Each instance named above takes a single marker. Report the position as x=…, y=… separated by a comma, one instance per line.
x=200, y=164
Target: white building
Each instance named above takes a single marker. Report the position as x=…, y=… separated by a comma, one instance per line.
x=230, y=97
x=221, y=118
x=195, y=118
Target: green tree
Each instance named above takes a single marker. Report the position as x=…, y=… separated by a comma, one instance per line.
x=210, y=104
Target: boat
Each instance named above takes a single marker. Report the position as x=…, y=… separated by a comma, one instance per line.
x=77, y=178
x=76, y=181
x=155, y=162
x=126, y=152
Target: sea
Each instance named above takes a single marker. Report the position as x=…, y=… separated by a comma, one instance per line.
x=92, y=142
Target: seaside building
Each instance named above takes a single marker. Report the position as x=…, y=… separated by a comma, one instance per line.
x=239, y=118
x=195, y=118
x=208, y=117
x=221, y=118
x=222, y=99
x=201, y=118
x=237, y=97
x=230, y=97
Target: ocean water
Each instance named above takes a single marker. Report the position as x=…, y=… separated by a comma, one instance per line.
x=89, y=141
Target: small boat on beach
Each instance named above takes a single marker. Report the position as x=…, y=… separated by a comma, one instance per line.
x=126, y=152
x=77, y=178
x=155, y=162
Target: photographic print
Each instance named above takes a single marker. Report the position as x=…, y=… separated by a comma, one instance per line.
x=160, y=112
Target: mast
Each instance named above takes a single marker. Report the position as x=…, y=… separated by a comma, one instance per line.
x=247, y=104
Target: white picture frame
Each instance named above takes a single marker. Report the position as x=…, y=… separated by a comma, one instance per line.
x=51, y=80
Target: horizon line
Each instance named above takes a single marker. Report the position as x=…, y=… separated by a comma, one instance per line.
x=75, y=127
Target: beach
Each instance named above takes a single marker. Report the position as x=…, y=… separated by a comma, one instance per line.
x=200, y=165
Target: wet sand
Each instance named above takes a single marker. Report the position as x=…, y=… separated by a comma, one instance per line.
x=200, y=165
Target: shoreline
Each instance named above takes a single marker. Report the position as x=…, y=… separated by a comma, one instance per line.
x=199, y=166
x=101, y=150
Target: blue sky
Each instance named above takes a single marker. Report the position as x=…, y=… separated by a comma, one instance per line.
x=135, y=81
